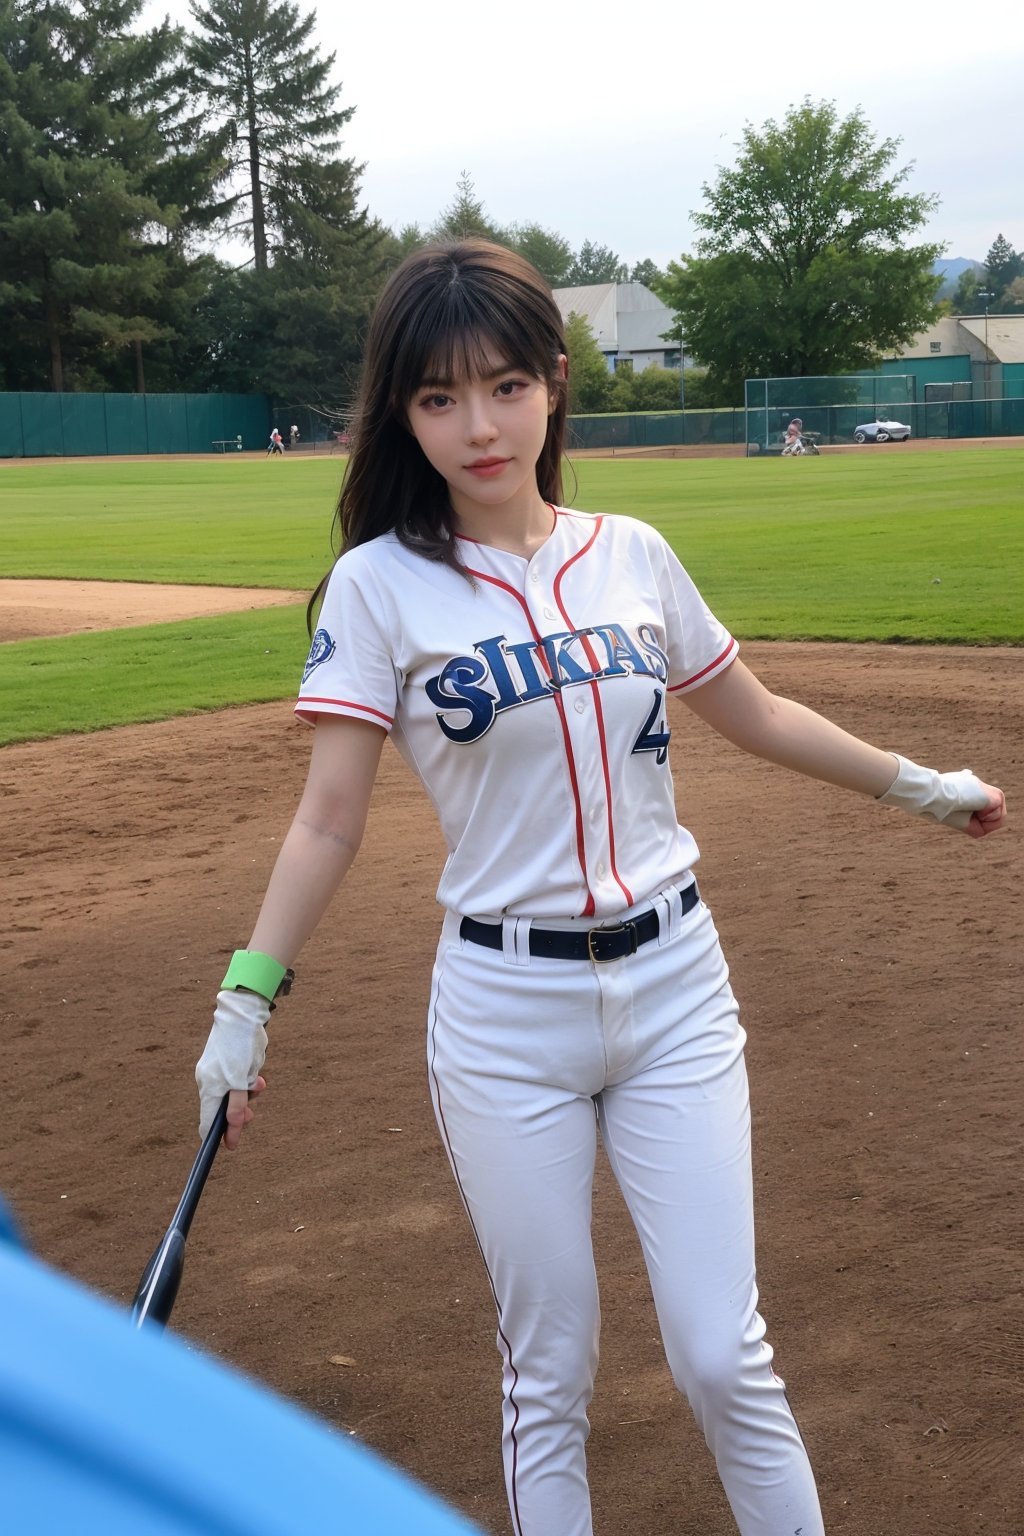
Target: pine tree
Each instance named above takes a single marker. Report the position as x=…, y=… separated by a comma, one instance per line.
x=596, y=264
x=465, y=216
x=648, y=273
x=95, y=141
x=269, y=93
x=1002, y=265
x=549, y=252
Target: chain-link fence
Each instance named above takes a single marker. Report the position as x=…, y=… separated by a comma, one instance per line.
x=312, y=428
x=660, y=429
x=830, y=409
x=850, y=408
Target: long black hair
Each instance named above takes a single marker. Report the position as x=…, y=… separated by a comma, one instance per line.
x=442, y=313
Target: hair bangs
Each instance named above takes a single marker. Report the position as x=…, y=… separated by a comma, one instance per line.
x=466, y=329
x=451, y=311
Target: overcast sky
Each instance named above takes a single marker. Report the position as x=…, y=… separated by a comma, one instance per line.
x=602, y=121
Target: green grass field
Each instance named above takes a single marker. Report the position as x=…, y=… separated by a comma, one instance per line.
x=876, y=545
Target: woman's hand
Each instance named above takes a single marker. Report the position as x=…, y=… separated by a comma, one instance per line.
x=240, y=1111
x=991, y=818
x=232, y=1060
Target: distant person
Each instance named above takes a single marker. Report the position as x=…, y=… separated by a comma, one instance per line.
x=793, y=441
x=276, y=444
x=293, y=436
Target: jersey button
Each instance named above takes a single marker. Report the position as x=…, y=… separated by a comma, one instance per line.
x=601, y=871
x=549, y=613
x=579, y=706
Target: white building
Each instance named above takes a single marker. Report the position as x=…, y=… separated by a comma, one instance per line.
x=984, y=339
x=627, y=321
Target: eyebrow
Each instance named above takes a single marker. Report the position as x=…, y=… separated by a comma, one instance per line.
x=433, y=382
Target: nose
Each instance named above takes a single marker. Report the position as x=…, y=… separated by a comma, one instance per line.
x=480, y=424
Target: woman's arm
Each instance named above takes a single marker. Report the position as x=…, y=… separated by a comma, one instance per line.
x=324, y=836
x=740, y=708
x=315, y=856
x=745, y=712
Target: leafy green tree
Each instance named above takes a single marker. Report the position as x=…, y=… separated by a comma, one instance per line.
x=964, y=299
x=702, y=393
x=802, y=266
x=653, y=389
x=102, y=180
x=272, y=107
x=589, y=380
x=648, y=273
x=550, y=253
x=1002, y=265
x=595, y=264
x=1012, y=302
x=466, y=216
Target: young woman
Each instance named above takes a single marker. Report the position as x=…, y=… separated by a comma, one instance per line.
x=521, y=656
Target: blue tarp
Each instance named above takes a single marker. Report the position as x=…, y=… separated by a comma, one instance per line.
x=106, y=1430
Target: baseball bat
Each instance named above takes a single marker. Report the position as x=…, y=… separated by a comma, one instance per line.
x=158, y=1288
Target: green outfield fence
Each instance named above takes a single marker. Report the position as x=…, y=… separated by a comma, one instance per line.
x=44, y=425
x=664, y=429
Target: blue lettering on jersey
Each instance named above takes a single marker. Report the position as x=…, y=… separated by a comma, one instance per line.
x=471, y=691
x=322, y=649
x=651, y=740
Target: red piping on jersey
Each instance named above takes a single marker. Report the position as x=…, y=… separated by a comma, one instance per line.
x=591, y=656
x=581, y=851
x=704, y=670
x=347, y=703
x=513, y=1368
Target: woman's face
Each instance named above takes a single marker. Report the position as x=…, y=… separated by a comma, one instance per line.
x=484, y=434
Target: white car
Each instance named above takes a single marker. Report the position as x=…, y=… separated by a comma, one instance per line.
x=882, y=432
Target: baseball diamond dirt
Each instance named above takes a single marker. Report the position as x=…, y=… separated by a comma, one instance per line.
x=877, y=963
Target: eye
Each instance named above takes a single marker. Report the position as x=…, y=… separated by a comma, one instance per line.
x=435, y=402
x=510, y=387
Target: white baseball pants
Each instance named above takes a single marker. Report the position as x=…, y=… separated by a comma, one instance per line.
x=521, y=1051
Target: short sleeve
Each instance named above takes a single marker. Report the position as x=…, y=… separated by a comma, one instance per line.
x=350, y=669
x=699, y=645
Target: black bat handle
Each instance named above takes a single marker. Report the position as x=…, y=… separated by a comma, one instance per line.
x=158, y=1287
x=200, y=1170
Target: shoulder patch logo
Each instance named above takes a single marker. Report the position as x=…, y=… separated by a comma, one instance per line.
x=322, y=649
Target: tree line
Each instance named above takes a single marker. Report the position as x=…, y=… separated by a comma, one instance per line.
x=129, y=153
x=998, y=287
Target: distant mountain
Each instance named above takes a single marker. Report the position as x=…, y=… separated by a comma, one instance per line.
x=950, y=268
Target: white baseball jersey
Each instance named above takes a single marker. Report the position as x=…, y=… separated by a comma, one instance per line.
x=531, y=704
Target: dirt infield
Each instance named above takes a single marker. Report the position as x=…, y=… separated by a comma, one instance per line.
x=29, y=609
x=877, y=960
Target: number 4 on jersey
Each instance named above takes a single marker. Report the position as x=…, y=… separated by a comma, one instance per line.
x=651, y=739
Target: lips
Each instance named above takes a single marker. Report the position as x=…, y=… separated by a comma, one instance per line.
x=487, y=469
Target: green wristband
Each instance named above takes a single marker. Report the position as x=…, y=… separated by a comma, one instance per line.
x=256, y=973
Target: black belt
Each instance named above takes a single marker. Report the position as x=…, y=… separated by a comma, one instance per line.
x=608, y=943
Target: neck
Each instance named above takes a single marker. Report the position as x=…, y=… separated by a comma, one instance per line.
x=520, y=529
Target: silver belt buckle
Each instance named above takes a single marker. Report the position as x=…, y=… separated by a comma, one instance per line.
x=617, y=928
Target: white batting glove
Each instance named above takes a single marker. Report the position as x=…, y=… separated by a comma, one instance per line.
x=947, y=797
x=235, y=1050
